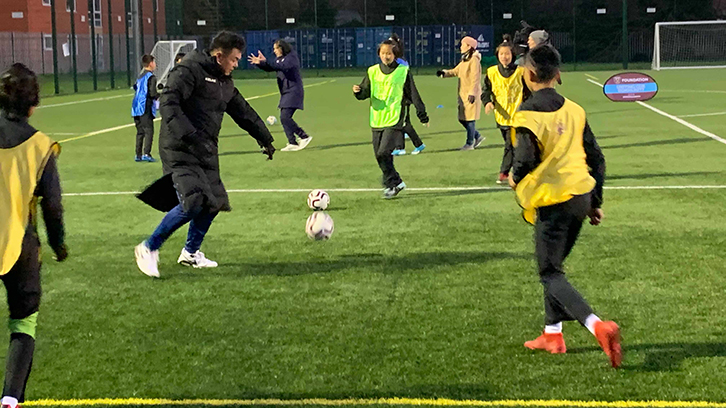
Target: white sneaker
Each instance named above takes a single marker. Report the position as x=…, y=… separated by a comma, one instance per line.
x=197, y=259
x=305, y=142
x=147, y=260
x=291, y=148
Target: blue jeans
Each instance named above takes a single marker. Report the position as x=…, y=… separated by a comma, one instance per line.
x=199, y=224
x=471, y=132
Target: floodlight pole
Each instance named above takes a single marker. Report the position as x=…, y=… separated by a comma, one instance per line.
x=415, y=12
x=54, y=35
x=625, y=34
x=315, y=5
x=267, y=24
x=365, y=13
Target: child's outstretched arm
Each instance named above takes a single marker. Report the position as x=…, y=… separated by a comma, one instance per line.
x=362, y=91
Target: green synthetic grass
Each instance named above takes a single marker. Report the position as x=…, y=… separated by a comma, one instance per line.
x=430, y=295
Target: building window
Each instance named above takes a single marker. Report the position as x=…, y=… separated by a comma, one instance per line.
x=47, y=42
x=70, y=3
x=46, y=2
x=97, y=18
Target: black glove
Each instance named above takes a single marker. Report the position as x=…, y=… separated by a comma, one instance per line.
x=61, y=253
x=423, y=117
x=269, y=150
x=472, y=99
x=440, y=73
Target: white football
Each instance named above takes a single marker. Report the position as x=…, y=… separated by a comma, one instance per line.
x=318, y=200
x=319, y=226
x=271, y=120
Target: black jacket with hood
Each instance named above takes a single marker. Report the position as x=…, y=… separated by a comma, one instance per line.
x=196, y=97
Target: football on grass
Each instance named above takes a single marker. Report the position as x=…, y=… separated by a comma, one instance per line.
x=271, y=120
x=318, y=200
x=319, y=226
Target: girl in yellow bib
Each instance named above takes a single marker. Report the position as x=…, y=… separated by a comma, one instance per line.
x=388, y=85
x=504, y=90
x=27, y=172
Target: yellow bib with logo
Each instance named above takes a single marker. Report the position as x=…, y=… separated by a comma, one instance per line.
x=508, y=93
x=563, y=171
x=20, y=170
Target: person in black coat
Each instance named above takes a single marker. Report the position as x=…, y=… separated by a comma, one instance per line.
x=292, y=93
x=198, y=93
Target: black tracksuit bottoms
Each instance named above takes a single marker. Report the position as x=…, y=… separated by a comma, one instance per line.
x=385, y=142
x=555, y=233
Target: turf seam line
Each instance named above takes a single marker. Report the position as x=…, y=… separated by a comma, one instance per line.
x=378, y=401
x=115, y=128
x=369, y=190
x=675, y=118
x=702, y=114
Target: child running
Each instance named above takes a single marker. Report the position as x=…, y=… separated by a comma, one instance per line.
x=387, y=85
x=504, y=90
x=469, y=73
x=408, y=129
x=558, y=174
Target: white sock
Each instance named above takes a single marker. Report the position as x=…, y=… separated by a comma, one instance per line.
x=12, y=402
x=553, y=328
x=590, y=323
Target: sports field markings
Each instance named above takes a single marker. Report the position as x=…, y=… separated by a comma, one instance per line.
x=378, y=401
x=84, y=101
x=697, y=115
x=591, y=76
x=115, y=128
x=677, y=119
x=373, y=190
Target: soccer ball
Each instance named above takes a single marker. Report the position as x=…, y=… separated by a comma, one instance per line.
x=318, y=200
x=271, y=120
x=319, y=226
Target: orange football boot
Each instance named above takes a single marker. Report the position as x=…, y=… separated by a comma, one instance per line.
x=608, y=335
x=551, y=342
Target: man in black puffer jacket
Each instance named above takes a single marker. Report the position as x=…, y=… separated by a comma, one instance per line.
x=197, y=94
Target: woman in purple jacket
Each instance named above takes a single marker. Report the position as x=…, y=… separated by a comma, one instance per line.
x=289, y=80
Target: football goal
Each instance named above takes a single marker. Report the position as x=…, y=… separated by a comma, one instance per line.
x=164, y=53
x=689, y=44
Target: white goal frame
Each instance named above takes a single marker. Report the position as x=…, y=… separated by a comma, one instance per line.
x=162, y=72
x=656, y=65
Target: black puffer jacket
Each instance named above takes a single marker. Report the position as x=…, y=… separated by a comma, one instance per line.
x=193, y=103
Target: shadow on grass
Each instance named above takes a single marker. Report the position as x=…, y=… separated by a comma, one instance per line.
x=663, y=356
x=371, y=262
x=657, y=175
x=658, y=143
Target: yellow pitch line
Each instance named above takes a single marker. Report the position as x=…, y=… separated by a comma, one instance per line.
x=115, y=128
x=379, y=401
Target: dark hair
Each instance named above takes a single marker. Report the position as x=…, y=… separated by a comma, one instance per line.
x=227, y=41
x=395, y=43
x=398, y=50
x=179, y=57
x=544, y=60
x=506, y=43
x=146, y=60
x=19, y=90
x=284, y=46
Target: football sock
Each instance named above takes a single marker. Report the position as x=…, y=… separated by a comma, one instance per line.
x=17, y=368
x=590, y=323
x=553, y=328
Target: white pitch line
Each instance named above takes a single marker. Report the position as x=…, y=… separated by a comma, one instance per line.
x=84, y=101
x=591, y=76
x=677, y=119
x=115, y=128
x=373, y=190
x=697, y=115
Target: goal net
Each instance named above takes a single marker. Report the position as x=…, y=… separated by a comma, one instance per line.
x=164, y=53
x=690, y=44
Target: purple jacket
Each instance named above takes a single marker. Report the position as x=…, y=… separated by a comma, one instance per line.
x=289, y=80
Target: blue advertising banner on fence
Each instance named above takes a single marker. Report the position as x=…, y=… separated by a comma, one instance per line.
x=357, y=47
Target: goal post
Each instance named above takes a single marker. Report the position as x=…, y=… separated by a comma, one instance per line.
x=164, y=53
x=689, y=44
